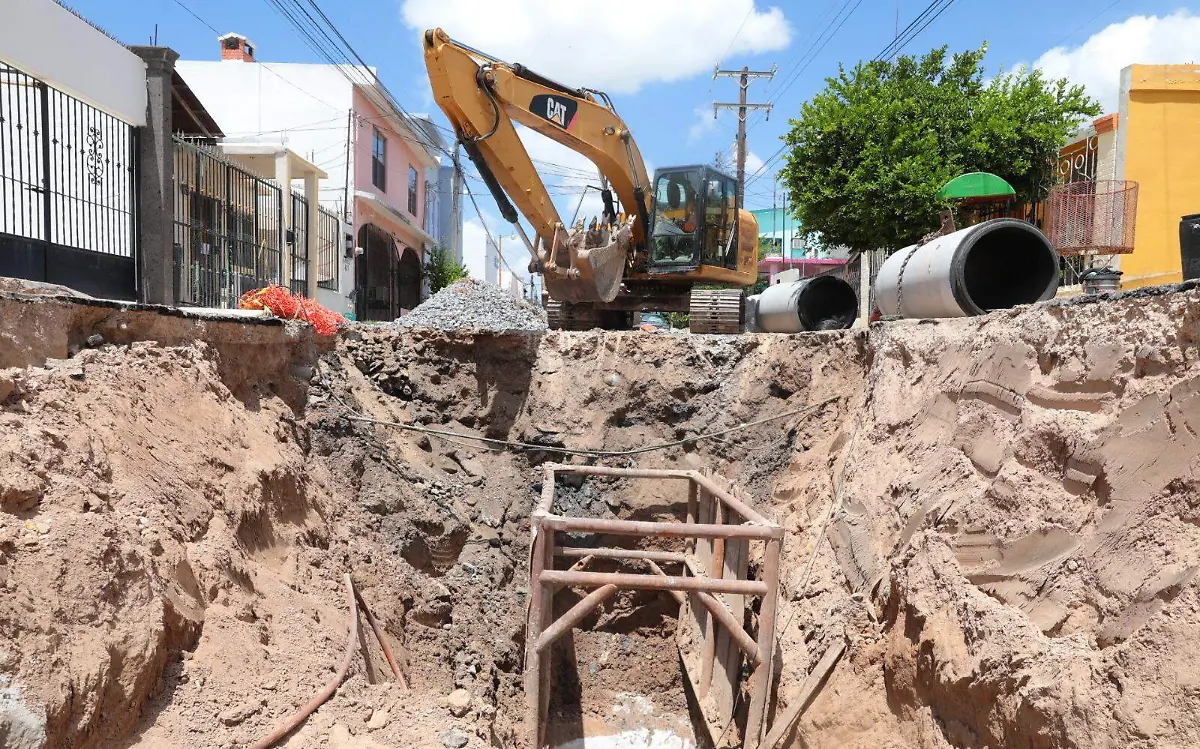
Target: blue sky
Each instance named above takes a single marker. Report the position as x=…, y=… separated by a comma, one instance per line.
x=656, y=56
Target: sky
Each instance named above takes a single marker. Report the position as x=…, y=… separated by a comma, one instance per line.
x=656, y=57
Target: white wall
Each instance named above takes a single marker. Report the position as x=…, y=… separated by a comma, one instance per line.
x=304, y=107
x=47, y=41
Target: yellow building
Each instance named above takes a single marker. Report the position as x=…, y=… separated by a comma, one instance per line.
x=1153, y=140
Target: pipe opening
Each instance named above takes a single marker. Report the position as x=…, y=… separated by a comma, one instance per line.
x=827, y=303
x=1008, y=266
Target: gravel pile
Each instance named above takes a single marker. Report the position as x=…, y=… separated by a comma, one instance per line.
x=471, y=305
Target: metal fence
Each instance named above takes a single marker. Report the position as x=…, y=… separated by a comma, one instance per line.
x=228, y=229
x=68, y=190
x=328, y=242
x=298, y=240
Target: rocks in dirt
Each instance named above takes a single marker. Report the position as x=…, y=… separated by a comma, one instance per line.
x=235, y=715
x=20, y=488
x=459, y=702
x=471, y=305
x=21, y=727
x=454, y=739
x=379, y=719
x=469, y=464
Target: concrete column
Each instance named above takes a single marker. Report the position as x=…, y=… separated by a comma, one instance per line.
x=312, y=195
x=156, y=178
x=283, y=175
x=864, y=289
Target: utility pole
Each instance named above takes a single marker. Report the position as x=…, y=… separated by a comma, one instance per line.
x=500, y=260
x=746, y=75
x=456, y=189
x=775, y=205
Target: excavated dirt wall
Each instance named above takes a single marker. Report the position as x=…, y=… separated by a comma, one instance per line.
x=1009, y=555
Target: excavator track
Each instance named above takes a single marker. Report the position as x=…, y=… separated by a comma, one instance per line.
x=716, y=311
x=567, y=316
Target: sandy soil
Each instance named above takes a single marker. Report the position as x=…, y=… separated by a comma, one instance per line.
x=1011, y=555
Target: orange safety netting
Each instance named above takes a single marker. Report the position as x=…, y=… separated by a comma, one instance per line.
x=281, y=302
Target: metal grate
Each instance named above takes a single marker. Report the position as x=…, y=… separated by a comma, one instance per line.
x=328, y=239
x=1092, y=217
x=298, y=239
x=228, y=229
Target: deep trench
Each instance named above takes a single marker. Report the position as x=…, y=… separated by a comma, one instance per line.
x=986, y=505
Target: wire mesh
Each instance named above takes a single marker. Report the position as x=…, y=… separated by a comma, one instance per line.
x=1092, y=218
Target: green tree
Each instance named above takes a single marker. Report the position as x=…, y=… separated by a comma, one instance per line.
x=441, y=269
x=869, y=152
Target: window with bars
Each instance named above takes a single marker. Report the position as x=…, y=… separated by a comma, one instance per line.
x=412, y=190
x=379, y=160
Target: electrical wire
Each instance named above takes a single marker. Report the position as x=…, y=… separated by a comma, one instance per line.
x=265, y=66
x=1087, y=23
x=912, y=31
x=499, y=445
x=338, y=52
x=483, y=223
x=822, y=40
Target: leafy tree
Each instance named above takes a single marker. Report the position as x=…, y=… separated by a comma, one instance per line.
x=869, y=152
x=441, y=269
x=678, y=320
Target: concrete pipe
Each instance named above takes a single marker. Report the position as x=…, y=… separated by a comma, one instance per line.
x=820, y=303
x=994, y=265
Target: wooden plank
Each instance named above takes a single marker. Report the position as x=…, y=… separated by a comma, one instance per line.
x=812, y=684
x=727, y=670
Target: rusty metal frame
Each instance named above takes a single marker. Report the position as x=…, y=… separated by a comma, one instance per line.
x=694, y=585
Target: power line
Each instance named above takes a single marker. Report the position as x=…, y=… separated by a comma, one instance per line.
x=1086, y=23
x=265, y=66
x=914, y=29
x=890, y=50
x=823, y=42
x=339, y=52
x=737, y=33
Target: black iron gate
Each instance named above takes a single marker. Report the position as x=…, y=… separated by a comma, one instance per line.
x=298, y=238
x=68, y=190
x=228, y=229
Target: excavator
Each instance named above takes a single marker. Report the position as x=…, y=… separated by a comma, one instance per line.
x=655, y=242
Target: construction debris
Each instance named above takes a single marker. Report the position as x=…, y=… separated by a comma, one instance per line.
x=471, y=305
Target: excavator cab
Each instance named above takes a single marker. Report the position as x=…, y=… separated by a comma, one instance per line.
x=694, y=220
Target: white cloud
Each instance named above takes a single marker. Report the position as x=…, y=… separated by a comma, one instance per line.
x=629, y=44
x=705, y=123
x=1097, y=63
x=753, y=162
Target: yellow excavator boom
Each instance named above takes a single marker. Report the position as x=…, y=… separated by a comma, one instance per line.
x=484, y=97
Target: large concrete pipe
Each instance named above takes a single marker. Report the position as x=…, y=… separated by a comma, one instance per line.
x=994, y=265
x=820, y=303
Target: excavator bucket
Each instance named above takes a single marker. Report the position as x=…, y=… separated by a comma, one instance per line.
x=591, y=263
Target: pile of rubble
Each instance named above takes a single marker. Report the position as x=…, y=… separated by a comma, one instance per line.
x=472, y=305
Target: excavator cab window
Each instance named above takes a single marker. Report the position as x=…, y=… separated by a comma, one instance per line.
x=677, y=218
x=720, y=221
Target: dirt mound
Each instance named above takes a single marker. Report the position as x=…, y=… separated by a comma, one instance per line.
x=1010, y=552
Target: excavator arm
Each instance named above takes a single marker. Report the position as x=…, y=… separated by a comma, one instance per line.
x=484, y=97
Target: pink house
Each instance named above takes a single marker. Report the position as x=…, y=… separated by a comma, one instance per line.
x=373, y=155
x=389, y=208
